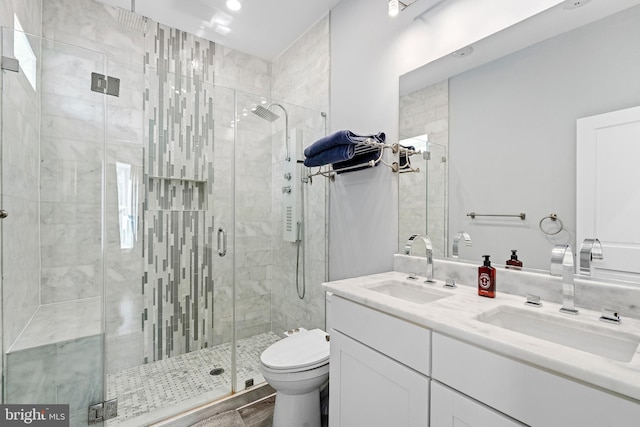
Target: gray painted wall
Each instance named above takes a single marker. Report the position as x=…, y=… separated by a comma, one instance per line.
x=369, y=51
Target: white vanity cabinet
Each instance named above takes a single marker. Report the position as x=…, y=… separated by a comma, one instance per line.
x=386, y=371
x=379, y=369
x=452, y=409
x=531, y=395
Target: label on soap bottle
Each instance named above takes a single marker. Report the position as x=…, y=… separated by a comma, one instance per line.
x=487, y=282
x=484, y=281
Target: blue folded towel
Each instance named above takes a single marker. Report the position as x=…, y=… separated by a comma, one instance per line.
x=338, y=153
x=337, y=147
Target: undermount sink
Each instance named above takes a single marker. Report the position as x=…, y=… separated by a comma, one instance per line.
x=407, y=291
x=595, y=339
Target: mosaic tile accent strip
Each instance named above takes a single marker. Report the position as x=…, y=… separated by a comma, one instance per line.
x=178, y=284
x=178, y=219
x=179, y=105
x=185, y=380
x=177, y=52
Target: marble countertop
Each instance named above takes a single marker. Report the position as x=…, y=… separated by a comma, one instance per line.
x=457, y=316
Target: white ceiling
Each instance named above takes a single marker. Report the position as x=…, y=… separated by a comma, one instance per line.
x=556, y=20
x=263, y=28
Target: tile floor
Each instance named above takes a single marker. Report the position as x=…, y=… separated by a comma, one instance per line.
x=169, y=386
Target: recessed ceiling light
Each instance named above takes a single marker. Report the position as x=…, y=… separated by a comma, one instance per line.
x=234, y=5
x=396, y=6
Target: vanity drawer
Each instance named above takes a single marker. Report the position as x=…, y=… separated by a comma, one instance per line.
x=400, y=340
x=528, y=394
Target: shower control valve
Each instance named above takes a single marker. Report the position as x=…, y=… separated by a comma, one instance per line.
x=286, y=189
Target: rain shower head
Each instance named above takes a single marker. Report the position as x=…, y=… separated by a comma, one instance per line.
x=270, y=116
x=133, y=20
x=265, y=113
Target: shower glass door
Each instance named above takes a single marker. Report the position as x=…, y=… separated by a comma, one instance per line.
x=180, y=355
x=280, y=219
x=255, y=235
x=53, y=145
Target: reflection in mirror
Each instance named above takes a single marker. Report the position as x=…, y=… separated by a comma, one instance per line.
x=423, y=199
x=509, y=125
x=423, y=196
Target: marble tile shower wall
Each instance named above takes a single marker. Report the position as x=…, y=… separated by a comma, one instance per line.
x=20, y=279
x=123, y=266
x=425, y=111
x=71, y=153
x=301, y=76
x=87, y=129
x=254, y=255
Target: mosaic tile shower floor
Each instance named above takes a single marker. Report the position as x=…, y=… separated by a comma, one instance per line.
x=179, y=383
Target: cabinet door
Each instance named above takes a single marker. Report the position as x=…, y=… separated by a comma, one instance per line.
x=370, y=389
x=452, y=409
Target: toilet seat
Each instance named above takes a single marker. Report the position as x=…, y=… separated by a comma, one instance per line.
x=302, y=351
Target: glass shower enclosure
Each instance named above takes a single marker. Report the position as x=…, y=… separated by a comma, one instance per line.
x=144, y=267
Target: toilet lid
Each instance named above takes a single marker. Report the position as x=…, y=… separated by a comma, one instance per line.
x=297, y=351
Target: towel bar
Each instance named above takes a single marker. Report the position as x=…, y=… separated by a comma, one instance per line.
x=371, y=146
x=521, y=215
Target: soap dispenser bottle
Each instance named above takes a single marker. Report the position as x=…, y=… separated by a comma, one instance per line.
x=514, y=262
x=486, y=279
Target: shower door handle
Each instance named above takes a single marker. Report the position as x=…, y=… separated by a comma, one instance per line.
x=222, y=242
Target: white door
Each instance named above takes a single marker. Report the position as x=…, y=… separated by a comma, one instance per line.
x=369, y=389
x=608, y=194
x=452, y=409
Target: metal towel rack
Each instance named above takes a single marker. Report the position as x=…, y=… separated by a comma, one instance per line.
x=521, y=215
x=372, y=146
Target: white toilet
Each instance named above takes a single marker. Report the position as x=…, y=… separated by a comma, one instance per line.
x=296, y=367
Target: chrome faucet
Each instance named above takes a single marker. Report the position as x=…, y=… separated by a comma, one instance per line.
x=562, y=265
x=428, y=252
x=591, y=249
x=456, y=241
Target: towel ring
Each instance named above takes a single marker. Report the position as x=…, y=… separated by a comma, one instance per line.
x=553, y=217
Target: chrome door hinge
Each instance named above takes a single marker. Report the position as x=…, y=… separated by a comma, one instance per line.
x=103, y=411
x=105, y=84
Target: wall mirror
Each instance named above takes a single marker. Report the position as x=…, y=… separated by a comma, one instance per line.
x=503, y=112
